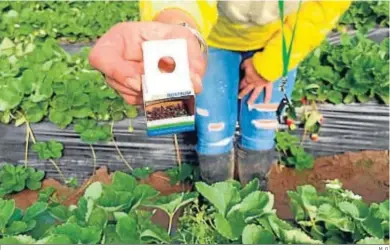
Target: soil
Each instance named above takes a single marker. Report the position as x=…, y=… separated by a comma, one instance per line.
x=171, y=110
x=365, y=173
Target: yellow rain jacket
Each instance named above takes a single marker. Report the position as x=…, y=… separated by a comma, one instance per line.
x=251, y=25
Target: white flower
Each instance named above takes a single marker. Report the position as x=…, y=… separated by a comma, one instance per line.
x=333, y=184
x=348, y=194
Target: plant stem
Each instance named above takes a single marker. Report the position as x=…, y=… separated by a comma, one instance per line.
x=94, y=158
x=58, y=170
x=304, y=128
x=170, y=223
x=26, y=148
x=178, y=155
x=117, y=148
x=52, y=162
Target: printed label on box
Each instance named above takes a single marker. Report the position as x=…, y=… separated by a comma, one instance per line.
x=169, y=98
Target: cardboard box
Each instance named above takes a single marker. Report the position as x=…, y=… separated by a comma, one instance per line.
x=169, y=98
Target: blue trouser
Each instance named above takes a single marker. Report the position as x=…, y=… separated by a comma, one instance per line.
x=217, y=107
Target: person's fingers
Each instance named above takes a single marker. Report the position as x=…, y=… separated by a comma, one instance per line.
x=246, y=63
x=157, y=31
x=114, y=66
x=243, y=83
x=134, y=83
x=121, y=88
x=252, y=75
x=245, y=91
x=256, y=92
x=197, y=83
x=118, y=54
x=133, y=100
x=268, y=93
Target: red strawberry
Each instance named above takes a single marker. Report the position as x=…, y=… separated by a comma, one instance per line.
x=303, y=100
x=314, y=137
x=289, y=122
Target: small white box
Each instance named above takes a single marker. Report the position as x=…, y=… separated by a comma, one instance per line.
x=169, y=98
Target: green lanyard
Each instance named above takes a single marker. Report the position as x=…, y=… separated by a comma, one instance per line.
x=286, y=54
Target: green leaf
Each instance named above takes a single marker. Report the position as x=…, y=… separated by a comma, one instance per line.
x=231, y=227
x=349, y=208
x=78, y=234
x=256, y=235
x=33, y=185
x=256, y=204
x=7, y=208
x=349, y=99
x=143, y=193
x=37, y=175
x=252, y=186
x=334, y=217
x=335, y=97
x=34, y=210
x=126, y=228
x=60, y=118
x=16, y=227
x=94, y=191
x=222, y=195
x=159, y=235
x=303, y=202
x=372, y=225
x=98, y=218
x=10, y=96
x=19, y=239
x=55, y=240
x=171, y=204
x=185, y=171
x=48, y=150
x=142, y=173
x=370, y=241
x=123, y=182
x=59, y=212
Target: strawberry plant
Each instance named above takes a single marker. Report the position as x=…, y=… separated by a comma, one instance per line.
x=185, y=172
x=17, y=178
x=354, y=71
x=338, y=216
x=71, y=21
x=365, y=15
x=291, y=153
x=63, y=89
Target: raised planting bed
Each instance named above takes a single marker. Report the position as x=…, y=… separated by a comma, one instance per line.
x=365, y=173
x=346, y=128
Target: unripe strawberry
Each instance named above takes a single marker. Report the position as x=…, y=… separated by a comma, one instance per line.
x=292, y=127
x=314, y=137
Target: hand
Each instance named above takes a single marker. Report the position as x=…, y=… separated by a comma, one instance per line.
x=118, y=55
x=253, y=82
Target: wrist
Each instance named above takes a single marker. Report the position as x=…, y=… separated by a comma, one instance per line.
x=180, y=17
x=175, y=16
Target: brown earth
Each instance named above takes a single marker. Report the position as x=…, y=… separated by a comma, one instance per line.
x=365, y=173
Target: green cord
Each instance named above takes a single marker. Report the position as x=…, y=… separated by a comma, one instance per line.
x=286, y=53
